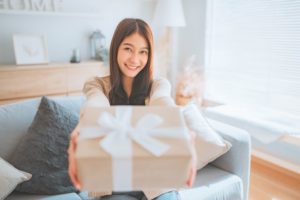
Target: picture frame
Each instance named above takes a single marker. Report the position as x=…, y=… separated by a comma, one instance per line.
x=30, y=49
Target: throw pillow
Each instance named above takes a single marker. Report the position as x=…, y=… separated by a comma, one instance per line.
x=10, y=177
x=209, y=144
x=43, y=150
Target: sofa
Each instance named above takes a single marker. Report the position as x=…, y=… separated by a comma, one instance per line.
x=227, y=177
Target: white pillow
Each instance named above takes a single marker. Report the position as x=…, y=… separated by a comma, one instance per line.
x=209, y=144
x=10, y=177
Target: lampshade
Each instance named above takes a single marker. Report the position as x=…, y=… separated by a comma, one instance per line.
x=169, y=13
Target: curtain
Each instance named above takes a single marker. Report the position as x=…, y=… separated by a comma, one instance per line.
x=253, y=53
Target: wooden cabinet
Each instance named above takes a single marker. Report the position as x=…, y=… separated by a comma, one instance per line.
x=22, y=82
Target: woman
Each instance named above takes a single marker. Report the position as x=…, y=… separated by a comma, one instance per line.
x=130, y=83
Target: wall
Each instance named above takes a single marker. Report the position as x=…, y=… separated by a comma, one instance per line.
x=67, y=27
x=71, y=26
x=191, y=37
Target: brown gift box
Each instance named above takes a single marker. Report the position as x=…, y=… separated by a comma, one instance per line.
x=171, y=170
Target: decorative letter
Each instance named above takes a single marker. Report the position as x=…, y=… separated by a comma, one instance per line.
x=57, y=5
x=4, y=4
x=40, y=5
x=19, y=5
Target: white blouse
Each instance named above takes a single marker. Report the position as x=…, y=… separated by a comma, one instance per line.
x=97, y=89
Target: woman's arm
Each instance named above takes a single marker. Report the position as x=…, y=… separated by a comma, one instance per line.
x=94, y=91
x=161, y=93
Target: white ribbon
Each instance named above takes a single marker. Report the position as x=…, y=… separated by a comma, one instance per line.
x=118, y=134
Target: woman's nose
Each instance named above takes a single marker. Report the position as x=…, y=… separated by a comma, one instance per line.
x=134, y=57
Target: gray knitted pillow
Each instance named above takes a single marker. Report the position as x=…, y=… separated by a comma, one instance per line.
x=43, y=150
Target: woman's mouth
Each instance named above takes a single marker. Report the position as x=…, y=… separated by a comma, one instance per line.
x=132, y=67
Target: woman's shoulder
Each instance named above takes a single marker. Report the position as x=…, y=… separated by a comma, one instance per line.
x=98, y=80
x=160, y=93
x=160, y=82
x=160, y=87
x=99, y=83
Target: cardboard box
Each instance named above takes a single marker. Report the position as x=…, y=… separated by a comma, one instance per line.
x=99, y=170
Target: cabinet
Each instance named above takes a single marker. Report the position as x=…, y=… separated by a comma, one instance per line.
x=57, y=79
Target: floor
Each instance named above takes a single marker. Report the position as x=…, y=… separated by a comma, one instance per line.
x=269, y=182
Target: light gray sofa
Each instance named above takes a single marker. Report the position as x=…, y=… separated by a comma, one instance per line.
x=226, y=178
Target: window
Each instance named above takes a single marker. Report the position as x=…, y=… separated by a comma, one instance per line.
x=253, y=53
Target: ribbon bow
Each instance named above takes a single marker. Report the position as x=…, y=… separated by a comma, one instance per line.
x=119, y=133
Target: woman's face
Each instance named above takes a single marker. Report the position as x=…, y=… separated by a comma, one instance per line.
x=133, y=55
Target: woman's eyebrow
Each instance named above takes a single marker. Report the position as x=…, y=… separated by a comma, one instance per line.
x=129, y=44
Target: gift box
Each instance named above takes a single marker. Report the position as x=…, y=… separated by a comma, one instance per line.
x=125, y=148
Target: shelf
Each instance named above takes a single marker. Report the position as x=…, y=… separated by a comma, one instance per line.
x=52, y=65
x=23, y=82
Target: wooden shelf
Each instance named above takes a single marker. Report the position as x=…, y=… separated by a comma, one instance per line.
x=51, y=65
x=23, y=82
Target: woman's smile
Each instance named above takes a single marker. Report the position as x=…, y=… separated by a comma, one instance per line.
x=131, y=67
x=133, y=55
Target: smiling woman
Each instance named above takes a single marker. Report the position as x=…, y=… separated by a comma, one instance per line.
x=131, y=63
x=130, y=83
x=132, y=58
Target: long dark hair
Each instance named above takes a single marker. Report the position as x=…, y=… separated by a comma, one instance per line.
x=142, y=82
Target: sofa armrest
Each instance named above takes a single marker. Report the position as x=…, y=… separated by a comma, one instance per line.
x=237, y=159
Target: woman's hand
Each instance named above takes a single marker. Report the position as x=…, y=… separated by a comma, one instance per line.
x=193, y=168
x=72, y=163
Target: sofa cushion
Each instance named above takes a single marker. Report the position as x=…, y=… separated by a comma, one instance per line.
x=15, y=119
x=10, y=177
x=209, y=144
x=214, y=183
x=72, y=103
x=43, y=150
x=24, y=196
x=22, y=114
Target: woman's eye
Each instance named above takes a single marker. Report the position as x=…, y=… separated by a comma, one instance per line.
x=144, y=52
x=128, y=49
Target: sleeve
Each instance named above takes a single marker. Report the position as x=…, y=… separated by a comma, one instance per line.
x=94, y=91
x=161, y=93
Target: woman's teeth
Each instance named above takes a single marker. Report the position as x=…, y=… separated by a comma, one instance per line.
x=132, y=67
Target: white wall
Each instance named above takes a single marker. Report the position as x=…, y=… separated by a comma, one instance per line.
x=191, y=37
x=65, y=32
